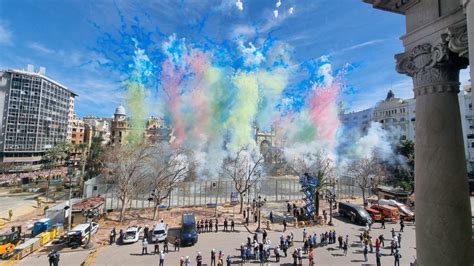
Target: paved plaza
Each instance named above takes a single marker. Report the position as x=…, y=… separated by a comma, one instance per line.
x=229, y=243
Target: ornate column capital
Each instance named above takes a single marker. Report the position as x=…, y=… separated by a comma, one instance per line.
x=458, y=40
x=433, y=68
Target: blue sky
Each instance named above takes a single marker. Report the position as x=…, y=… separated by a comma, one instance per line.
x=85, y=45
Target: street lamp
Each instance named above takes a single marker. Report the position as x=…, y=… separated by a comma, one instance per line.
x=259, y=205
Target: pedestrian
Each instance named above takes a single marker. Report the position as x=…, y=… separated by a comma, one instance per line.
x=285, y=249
x=382, y=240
x=10, y=214
x=339, y=239
x=344, y=248
x=187, y=261
x=392, y=246
x=199, y=259
x=225, y=224
x=311, y=257
x=181, y=261
x=284, y=224
x=121, y=236
x=295, y=258
x=399, y=240
x=393, y=232
x=383, y=222
x=276, y=251
x=217, y=225
x=377, y=244
x=397, y=257
x=157, y=248
x=366, y=250
x=300, y=256
x=371, y=244
x=271, y=216
x=255, y=219
x=176, y=244
x=377, y=257
x=145, y=232
x=232, y=225
x=210, y=225
x=162, y=258
x=206, y=225
x=244, y=214
x=165, y=245
x=242, y=252
x=144, y=246
x=247, y=221
x=288, y=207
x=347, y=239
x=402, y=225
x=111, y=237
x=213, y=257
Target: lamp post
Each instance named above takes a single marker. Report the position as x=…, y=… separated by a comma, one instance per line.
x=259, y=205
x=70, y=173
x=332, y=200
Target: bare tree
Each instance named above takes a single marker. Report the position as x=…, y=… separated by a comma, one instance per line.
x=245, y=169
x=315, y=164
x=169, y=168
x=125, y=166
x=364, y=171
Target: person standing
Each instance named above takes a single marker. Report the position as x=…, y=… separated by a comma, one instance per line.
x=366, y=250
x=213, y=257
x=397, y=257
x=276, y=251
x=210, y=225
x=382, y=240
x=157, y=248
x=339, y=239
x=402, y=224
x=144, y=246
x=181, y=261
x=383, y=222
x=311, y=257
x=377, y=257
x=176, y=244
x=344, y=248
x=121, y=236
x=225, y=225
x=284, y=224
x=199, y=259
x=165, y=245
x=288, y=207
x=300, y=256
x=217, y=225
x=187, y=261
x=145, y=232
x=295, y=258
x=400, y=240
x=206, y=225
x=232, y=225
x=255, y=217
x=162, y=258
x=271, y=216
x=264, y=235
x=393, y=232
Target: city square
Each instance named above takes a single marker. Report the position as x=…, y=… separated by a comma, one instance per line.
x=233, y=132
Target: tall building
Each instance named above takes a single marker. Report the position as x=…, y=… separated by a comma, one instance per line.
x=119, y=126
x=34, y=115
x=77, y=130
x=397, y=115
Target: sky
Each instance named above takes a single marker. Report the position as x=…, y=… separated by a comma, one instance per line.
x=88, y=45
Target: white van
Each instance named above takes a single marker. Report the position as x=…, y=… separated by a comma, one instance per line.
x=81, y=232
x=160, y=232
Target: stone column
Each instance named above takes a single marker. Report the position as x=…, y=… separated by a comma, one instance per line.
x=469, y=7
x=442, y=207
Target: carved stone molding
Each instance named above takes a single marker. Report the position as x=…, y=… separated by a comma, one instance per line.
x=434, y=69
x=458, y=40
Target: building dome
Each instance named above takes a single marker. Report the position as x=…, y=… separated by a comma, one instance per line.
x=120, y=110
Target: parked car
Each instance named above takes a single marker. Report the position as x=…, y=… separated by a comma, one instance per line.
x=80, y=234
x=355, y=213
x=160, y=232
x=188, y=233
x=132, y=234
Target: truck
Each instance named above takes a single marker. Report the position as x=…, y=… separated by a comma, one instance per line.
x=8, y=242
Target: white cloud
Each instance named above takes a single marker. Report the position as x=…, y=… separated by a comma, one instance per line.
x=40, y=48
x=5, y=35
x=357, y=46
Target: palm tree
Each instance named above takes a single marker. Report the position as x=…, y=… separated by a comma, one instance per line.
x=53, y=158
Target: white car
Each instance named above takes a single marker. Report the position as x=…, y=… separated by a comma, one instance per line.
x=160, y=232
x=132, y=234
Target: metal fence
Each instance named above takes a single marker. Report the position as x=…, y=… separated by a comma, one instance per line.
x=201, y=193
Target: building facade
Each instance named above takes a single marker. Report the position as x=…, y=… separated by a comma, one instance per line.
x=119, y=127
x=466, y=98
x=34, y=116
x=77, y=130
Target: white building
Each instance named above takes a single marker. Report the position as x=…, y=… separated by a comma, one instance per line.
x=467, y=121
